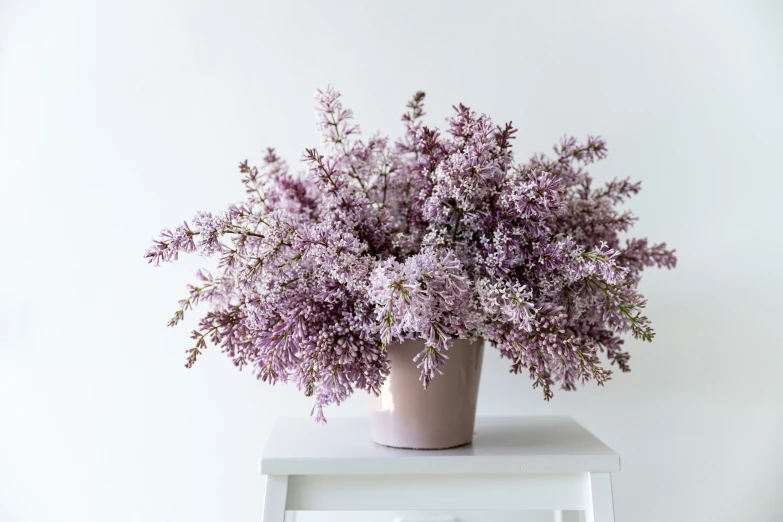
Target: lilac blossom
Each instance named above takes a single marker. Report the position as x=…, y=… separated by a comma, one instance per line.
x=429, y=297
x=435, y=236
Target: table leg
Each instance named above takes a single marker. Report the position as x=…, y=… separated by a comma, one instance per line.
x=601, y=507
x=275, y=498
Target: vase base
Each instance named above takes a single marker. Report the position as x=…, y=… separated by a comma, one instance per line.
x=424, y=449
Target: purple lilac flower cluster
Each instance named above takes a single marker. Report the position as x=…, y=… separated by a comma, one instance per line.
x=435, y=236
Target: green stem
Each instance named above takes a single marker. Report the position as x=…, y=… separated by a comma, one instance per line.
x=456, y=227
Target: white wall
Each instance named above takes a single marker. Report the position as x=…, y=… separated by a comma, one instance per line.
x=117, y=118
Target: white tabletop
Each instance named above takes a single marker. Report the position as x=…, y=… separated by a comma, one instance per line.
x=501, y=445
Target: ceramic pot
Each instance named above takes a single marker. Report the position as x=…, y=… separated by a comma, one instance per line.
x=406, y=415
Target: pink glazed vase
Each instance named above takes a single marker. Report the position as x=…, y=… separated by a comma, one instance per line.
x=405, y=415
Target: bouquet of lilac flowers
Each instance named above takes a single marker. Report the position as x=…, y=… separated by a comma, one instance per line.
x=436, y=236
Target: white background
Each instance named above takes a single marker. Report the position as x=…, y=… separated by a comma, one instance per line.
x=117, y=118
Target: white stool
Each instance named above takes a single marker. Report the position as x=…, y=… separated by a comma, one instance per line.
x=514, y=463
